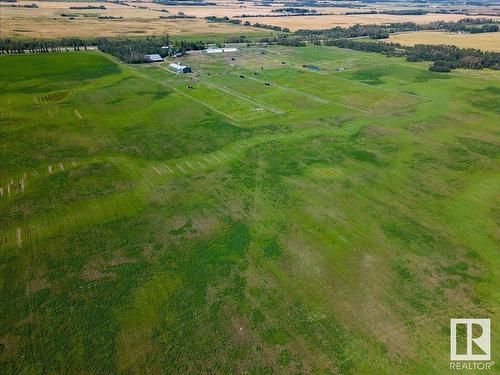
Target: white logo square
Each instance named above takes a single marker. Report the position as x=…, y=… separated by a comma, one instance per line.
x=482, y=342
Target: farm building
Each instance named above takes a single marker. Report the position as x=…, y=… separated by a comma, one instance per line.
x=153, y=58
x=180, y=68
x=220, y=50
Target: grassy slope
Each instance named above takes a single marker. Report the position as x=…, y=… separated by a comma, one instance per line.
x=334, y=231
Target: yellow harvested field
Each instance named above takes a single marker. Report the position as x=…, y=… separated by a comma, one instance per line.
x=218, y=11
x=47, y=21
x=329, y=21
x=54, y=19
x=483, y=41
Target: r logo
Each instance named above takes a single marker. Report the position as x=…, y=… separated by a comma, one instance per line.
x=478, y=346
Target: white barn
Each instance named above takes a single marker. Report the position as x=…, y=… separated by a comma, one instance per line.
x=180, y=68
x=153, y=58
x=220, y=50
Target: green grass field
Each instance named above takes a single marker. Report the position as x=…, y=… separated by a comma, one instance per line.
x=327, y=223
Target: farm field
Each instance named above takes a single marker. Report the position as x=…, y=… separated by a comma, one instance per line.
x=343, y=20
x=483, y=41
x=273, y=218
x=56, y=19
x=47, y=21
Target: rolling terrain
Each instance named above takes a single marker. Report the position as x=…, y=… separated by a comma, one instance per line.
x=280, y=216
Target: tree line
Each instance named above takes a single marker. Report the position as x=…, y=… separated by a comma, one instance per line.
x=131, y=51
x=444, y=58
x=246, y=23
x=472, y=25
x=9, y=45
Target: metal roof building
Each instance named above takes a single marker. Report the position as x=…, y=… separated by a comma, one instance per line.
x=154, y=58
x=180, y=68
x=220, y=50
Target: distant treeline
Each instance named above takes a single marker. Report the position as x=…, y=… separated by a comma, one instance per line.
x=324, y=5
x=293, y=10
x=275, y=15
x=182, y=2
x=101, y=7
x=372, y=31
x=444, y=57
x=119, y=2
x=21, y=5
x=246, y=23
x=175, y=16
x=401, y=12
x=269, y=27
x=39, y=46
x=472, y=25
x=223, y=20
x=110, y=18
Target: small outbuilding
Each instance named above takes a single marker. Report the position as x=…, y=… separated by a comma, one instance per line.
x=153, y=58
x=180, y=68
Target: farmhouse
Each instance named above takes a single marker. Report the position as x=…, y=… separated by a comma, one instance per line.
x=180, y=68
x=220, y=50
x=153, y=58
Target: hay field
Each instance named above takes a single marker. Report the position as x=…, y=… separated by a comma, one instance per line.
x=47, y=22
x=483, y=41
x=325, y=223
x=328, y=21
x=228, y=10
x=143, y=19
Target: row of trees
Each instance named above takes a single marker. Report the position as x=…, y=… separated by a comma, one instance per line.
x=128, y=50
x=246, y=23
x=40, y=45
x=466, y=58
x=392, y=49
x=372, y=31
x=403, y=12
x=294, y=10
x=472, y=25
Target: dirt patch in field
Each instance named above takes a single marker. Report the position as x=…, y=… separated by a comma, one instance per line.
x=100, y=268
x=118, y=259
x=378, y=317
x=205, y=224
x=9, y=345
x=36, y=284
x=147, y=252
x=373, y=131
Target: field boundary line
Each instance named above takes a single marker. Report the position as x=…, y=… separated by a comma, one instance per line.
x=241, y=96
x=334, y=76
x=185, y=95
x=143, y=75
x=234, y=93
x=295, y=91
